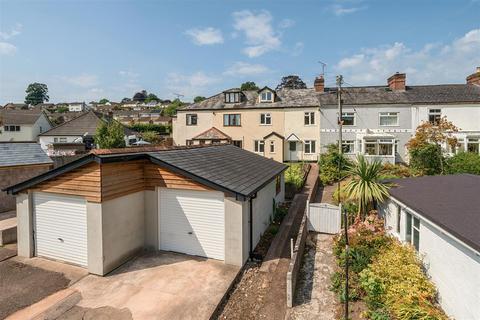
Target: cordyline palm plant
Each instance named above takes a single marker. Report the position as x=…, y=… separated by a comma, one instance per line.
x=365, y=186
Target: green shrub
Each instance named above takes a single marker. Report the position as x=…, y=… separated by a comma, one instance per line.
x=395, y=171
x=146, y=127
x=427, y=159
x=464, y=162
x=395, y=285
x=279, y=213
x=328, y=165
x=294, y=175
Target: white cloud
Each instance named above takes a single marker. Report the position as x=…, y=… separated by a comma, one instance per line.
x=83, y=80
x=245, y=69
x=340, y=10
x=259, y=34
x=190, y=85
x=7, y=48
x=5, y=35
x=286, y=23
x=433, y=63
x=128, y=74
x=298, y=48
x=206, y=36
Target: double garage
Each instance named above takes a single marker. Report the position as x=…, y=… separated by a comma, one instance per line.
x=196, y=216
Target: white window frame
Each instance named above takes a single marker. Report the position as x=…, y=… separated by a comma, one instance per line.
x=259, y=145
x=310, y=115
x=350, y=143
x=272, y=146
x=265, y=119
x=435, y=112
x=266, y=98
x=349, y=114
x=473, y=141
x=411, y=219
x=310, y=143
x=388, y=115
x=189, y=118
x=232, y=97
x=378, y=143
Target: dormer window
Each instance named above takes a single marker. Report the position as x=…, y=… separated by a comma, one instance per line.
x=232, y=97
x=266, y=95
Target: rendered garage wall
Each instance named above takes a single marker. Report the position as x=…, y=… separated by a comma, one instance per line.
x=263, y=211
x=236, y=231
x=123, y=229
x=24, y=225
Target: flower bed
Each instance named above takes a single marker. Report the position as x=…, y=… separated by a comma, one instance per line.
x=385, y=274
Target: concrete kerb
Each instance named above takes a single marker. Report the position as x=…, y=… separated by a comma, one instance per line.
x=50, y=307
x=227, y=293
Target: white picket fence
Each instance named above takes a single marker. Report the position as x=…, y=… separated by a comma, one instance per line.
x=324, y=218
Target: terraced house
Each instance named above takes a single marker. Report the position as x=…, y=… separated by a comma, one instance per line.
x=297, y=124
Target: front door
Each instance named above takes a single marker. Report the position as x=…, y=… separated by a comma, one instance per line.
x=292, y=151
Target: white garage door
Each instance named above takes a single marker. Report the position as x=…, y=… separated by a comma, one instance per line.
x=192, y=222
x=60, y=226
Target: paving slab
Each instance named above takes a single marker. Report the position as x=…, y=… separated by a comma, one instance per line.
x=159, y=285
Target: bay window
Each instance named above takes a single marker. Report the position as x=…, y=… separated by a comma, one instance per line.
x=379, y=147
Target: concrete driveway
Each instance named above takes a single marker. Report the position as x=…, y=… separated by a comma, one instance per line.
x=160, y=285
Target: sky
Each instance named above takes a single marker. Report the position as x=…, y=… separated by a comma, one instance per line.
x=88, y=50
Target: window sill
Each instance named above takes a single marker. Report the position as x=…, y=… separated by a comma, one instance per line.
x=395, y=125
x=309, y=125
x=265, y=125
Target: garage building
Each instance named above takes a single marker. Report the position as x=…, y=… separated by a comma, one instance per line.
x=100, y=210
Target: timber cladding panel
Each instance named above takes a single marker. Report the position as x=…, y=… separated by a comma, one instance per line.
x=108, y=181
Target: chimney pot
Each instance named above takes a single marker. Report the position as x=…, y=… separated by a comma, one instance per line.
x=474, y=78
x=397, y=82
x=319, y=84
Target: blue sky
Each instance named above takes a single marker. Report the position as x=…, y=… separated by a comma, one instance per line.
x=87, y=50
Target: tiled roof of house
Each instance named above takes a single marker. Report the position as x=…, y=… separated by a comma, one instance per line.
x=212, y=133
x=452, y=202
x=222, y=167
x=22, y=153
x=85, y=124
x=291, y=98
x=16, y=116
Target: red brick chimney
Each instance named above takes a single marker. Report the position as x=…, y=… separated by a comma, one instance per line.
x=397, y=82
x=319, y=84
x=474, y=78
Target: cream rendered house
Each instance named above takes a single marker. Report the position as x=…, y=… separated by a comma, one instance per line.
x=282, y=125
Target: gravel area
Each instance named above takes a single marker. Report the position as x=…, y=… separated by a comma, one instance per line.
x=313, y=298
x=22, y=285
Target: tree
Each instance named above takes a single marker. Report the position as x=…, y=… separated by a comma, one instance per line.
x=151, y=97
x=198, y=99
x=110, y=135
x=365, y=187
x=464, y=162
x=171, y=110
x=62, y=109
x=152, y=137
x=103, y=101
x=249, y=85
x=291, y=82
x=438, y=134
x=36, y=93
x=140, y=96
x=126, y=100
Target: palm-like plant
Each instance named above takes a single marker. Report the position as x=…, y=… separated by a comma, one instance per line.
x=365, y=186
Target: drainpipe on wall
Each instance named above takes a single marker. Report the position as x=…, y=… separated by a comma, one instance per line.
x=250, y=223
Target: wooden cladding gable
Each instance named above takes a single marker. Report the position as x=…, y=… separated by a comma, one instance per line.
x=99, y=183
x=84, y=181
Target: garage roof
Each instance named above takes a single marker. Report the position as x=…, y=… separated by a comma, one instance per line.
x=223, y=167
x=452, y=202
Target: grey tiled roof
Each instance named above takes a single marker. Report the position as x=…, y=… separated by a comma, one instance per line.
x=16, y=116
x=227, y=166
x=86, y=123
x=22, y=153
x=291, y=98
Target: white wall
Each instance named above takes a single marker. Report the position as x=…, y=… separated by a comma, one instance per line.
x=46, y=140
x=262, y=211
x=453, y=268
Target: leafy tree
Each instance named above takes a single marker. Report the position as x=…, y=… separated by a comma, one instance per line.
x=146, y=127
x=198, y=99
x=249, y=85
x=464, y=162
x=151, y=97
x=365, y=187
x=152, y=137
x=291, y=82
x=171, y=110
x=140, y=96
x=62, y=109
x=126, y=100
x=110, y=135
x=440, y=133
x=103, y=101
x=36, y=93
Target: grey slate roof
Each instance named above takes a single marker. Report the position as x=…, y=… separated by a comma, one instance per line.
x=230, y=167
x=452, y=202
x=22, y=153
x=18, y=116
x=291, y=98
x=86, y=123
